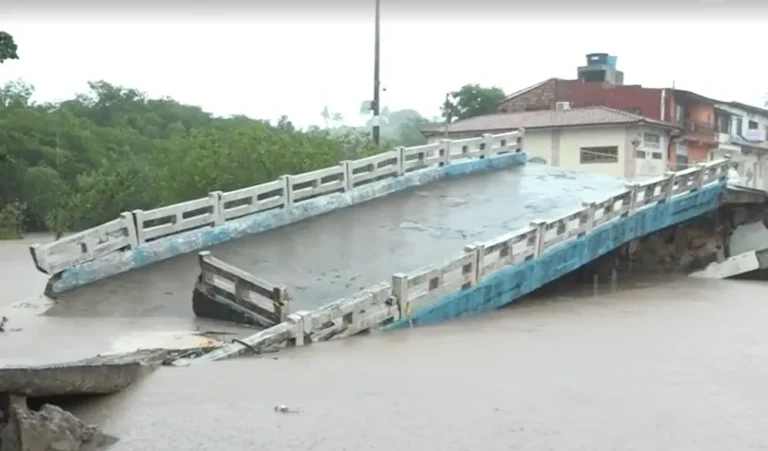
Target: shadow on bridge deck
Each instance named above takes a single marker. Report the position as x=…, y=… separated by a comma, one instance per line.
x=328, y=257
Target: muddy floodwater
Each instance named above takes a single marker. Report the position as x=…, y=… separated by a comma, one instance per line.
x=675, y=364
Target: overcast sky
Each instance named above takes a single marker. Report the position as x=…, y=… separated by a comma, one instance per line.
x=264, y=61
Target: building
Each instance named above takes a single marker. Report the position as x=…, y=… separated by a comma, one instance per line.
x=742, y=132
x=594, y=139
x=600, y=83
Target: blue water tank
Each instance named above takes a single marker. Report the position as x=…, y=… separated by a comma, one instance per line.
x=596, y=59
x=601, y=59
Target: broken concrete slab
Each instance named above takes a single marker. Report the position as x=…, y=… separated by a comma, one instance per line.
x=97, y=375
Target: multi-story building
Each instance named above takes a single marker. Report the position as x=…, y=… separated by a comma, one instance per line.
x=600, y=83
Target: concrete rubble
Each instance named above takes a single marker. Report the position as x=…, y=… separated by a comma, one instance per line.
x=48, y=429
x=51, y=428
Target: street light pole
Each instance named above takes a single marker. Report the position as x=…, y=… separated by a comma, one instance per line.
x=376, y=81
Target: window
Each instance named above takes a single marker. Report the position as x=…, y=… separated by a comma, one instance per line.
x=722, y=123
x=752, y=125
x=657, y=155
x=682, y=162
x=635, y=110
x=739, y=126
x=640, y=154
x=592, y=104
x=605, y=154
x=652, y=140
x=679, y=114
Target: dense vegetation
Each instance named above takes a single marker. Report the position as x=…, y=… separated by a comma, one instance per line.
x=81, y=162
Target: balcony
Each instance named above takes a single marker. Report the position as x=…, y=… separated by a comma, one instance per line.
x=756, y=135
x=700, y=130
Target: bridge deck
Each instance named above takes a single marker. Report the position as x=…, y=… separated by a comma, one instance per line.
x=328, y=257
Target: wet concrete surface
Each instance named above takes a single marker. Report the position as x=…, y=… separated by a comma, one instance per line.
x=32, y=338
x=328, y=257
x=674, y=365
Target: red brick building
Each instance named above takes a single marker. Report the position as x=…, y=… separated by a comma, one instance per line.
x=599, y=83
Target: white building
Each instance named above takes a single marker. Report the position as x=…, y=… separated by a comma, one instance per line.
x=742, y=133
x=595, y=139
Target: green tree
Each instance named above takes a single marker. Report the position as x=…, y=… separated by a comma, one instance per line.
x=8, y=48
x=80, y=162
x=43, y=190
x=470, y=101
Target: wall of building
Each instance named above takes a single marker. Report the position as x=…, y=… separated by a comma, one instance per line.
x=745, y=116
x=639, y=100
x=561, y=147
x=575, y=144
x=539, y=147
x=650, y=155
x=697, y=145
x=542, y=97
x=643, y=101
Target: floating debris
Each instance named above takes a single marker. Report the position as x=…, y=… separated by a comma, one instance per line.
x=285, y=409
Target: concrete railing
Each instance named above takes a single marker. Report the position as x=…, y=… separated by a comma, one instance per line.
x=135, y=228
x=263, y=303
x=393, y=301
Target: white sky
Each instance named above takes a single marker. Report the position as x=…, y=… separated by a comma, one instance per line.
x=267, y=65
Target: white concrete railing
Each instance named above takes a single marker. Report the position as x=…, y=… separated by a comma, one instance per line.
x=135, y=228
x=386, y=302
x=265, y=303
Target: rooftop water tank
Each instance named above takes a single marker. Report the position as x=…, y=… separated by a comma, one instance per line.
x=594, y=59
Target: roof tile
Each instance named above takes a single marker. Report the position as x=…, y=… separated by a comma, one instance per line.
x=596, y=115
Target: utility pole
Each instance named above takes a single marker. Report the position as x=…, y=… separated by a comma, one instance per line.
x=376, y=81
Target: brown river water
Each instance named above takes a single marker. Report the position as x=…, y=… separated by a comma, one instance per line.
x=676, y=364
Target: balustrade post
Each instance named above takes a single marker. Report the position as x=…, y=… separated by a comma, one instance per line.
x=591, y=208
x=287, y=190
x=669, y=187
x=400, y=160
x=446, y=160
x=539, y=246
x=217, y=211
x=520, y=140
x=349, y=182
x=400, y=292
x=487, y=144
x=633, y=190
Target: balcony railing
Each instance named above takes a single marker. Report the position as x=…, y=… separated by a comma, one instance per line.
x=700, y=129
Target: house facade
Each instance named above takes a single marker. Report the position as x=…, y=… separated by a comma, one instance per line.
x=742, y=133
x=594, y=139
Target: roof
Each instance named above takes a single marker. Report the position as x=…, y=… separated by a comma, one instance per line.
x=529, y=88
x=749, y=108
x=597, y=115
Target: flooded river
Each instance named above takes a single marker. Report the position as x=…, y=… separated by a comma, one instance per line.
x=677, y=364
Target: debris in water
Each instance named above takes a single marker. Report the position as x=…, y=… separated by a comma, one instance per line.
x=285, y=409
